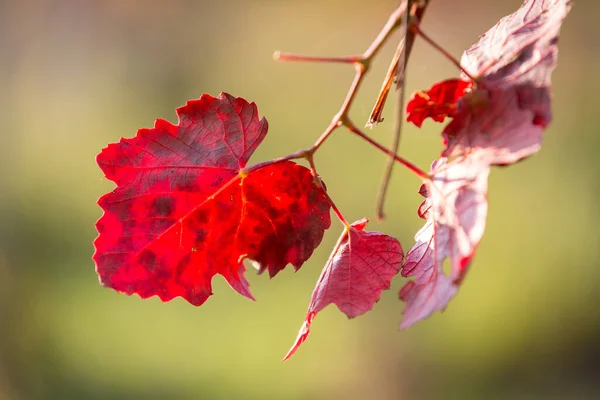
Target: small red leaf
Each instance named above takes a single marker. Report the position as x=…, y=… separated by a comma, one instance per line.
x=360, y=267
x=438, y=102
x=455, y=210
x=184, y=211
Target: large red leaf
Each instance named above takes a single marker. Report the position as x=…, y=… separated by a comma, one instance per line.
x=360, y=267
x=455, y=209
x=185, y=209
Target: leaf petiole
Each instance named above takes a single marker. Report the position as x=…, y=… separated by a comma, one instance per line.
x=416, y=170
x=418, y=31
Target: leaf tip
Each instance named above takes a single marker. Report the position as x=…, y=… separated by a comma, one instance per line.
x=302, y=335
x=360, y=224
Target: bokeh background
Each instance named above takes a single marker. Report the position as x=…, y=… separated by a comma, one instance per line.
x=76, y=75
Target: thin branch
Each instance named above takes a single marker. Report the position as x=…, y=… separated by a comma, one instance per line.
x=387, y=174
x=393, y=22
x=416, y=170
x=416, y=11
x=361, y=64
x=418, y=31
x=292, y=57
x=336, y=210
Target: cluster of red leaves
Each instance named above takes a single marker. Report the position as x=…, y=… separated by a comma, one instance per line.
x=499, y=121
x=186, y=207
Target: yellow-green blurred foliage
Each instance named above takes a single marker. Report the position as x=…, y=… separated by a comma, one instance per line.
x=76, y=75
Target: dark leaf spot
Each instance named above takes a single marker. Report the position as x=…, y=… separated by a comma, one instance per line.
x=148, y=259
x=163, y=206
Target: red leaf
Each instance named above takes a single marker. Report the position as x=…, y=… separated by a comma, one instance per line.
x=436, y=103
x=506, y=115
x=360, y=267
x=455, y=209
x=184, y=210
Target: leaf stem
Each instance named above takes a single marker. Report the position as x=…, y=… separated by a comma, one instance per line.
x=418, y=31
x=416, y=170
x=319, y=182
x=337, y=211
x=293, y=57
x=293, y=156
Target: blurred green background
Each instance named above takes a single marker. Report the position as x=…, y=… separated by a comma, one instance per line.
x=76, y=75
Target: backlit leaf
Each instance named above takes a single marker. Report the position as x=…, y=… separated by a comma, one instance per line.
x=360, y=267
x=184, y=208
x=455, y=210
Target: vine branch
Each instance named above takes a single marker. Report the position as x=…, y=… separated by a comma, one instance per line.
x=361, y=64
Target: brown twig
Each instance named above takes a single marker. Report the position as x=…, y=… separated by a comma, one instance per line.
x=279, y=56
x=376, y=114
x=415, y=11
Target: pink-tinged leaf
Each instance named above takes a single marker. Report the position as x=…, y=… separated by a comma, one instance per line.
x=513, y=62
x=184, y=209
x=360, y=267
x=521, y=49
x=493, y=124
x=455, y=209
x=499, y=122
